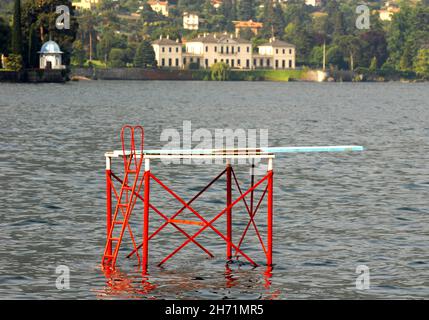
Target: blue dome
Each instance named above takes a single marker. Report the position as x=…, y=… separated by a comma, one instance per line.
x=50, y=47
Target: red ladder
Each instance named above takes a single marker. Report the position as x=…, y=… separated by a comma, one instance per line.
x=127, y=197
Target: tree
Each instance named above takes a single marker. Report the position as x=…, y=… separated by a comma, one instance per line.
x=316, y=57
x=229, y=12
x=33, y=47
x=335, y=57
x=78, y=56
x=87, y=22
x=301, y=38
x=246, y=9
x=373, y=65
x=145, y=55
x=246, y=34
x=219, y=71
x=17, y=29
x=374, y=46
x=351, y=47
x=108, y=41
x=117, y=58
x=4, y=36
x=421, y=64
x=409, y=30
x=268, y=19
x=278, y=20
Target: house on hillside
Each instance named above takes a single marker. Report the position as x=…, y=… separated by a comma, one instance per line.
x=159, y=6
x=250, y=25
x=190, y=21
x=85, y=4
x=388, y=11
x=216, y=3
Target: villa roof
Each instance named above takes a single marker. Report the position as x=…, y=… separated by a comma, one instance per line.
x=218, y=38
x=166, y=42
x=277, y=43
x=248, y=24
x=154, y=2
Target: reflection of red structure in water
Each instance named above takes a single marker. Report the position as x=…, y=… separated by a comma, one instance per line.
x=134, y=156
x=120, y=284
x=134, y=285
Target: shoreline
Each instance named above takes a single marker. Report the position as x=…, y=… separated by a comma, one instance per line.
x=139, y=74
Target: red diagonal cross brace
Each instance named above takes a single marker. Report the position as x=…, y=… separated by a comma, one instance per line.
x=209, y=223
x=251, y=215
x=177, y=213
x=165, y=218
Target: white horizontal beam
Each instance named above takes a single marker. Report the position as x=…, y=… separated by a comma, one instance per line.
x=234, y=153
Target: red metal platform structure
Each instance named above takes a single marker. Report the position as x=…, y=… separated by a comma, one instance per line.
x=136, y=185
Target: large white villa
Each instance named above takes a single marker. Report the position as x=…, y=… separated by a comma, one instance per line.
x=208, y=49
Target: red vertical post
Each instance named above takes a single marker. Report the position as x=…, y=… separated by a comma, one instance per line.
x=145, y=246
x=270, y=214
x=229, y=211
x=108, y=203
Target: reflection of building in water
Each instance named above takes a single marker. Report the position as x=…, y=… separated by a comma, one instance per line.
x=50, y=56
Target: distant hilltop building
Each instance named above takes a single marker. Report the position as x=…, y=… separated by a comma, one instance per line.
x=190, y=21
x=388, y=11
x=250, y=25
x=85, y=4
x=216, y=3
x=208, y=49
x=314, y=3
x=50, y=56
x=159, y=6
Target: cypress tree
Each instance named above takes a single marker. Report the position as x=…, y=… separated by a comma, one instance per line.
x=268, y=18
x=145, y=55
x=245, y=9
x=16, y=32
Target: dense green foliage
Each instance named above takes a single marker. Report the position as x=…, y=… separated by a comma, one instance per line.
x=14, y=62
x=220, y=71
x=422, y=63
x=78, y=57
x=115, y=33
x=39, y=25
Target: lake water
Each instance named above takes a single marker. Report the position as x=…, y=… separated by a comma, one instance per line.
x=333, y=212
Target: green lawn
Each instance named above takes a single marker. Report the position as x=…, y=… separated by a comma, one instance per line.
x=95, y=64
x=267, y=75
x=253, y=75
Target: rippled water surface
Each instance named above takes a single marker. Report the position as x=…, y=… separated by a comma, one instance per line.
x=333, y=212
